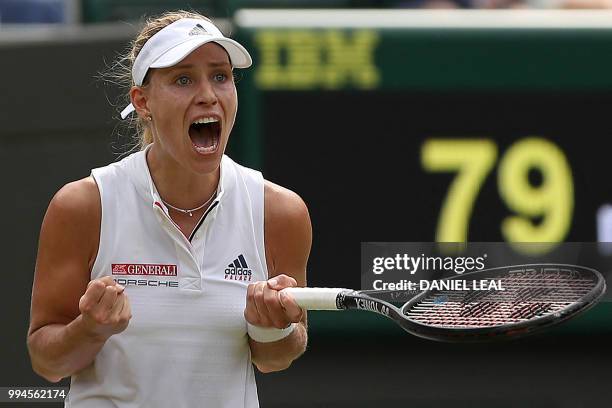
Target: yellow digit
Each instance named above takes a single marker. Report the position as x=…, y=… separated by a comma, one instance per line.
x=472, y=160
x=551, y=202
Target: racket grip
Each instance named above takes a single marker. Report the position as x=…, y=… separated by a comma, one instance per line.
x=315, y=298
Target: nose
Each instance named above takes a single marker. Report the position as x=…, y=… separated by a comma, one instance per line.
x=206, y=93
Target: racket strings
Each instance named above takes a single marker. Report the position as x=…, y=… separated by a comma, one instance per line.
x=474, y=296
x=502, y=314
x=530, y=310
x=526, y=296
x=478, y=309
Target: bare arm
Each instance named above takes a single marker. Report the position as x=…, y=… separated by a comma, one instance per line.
x=71, y=317
x=288, y=237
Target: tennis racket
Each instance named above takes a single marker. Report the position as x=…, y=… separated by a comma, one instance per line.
x=535, y=297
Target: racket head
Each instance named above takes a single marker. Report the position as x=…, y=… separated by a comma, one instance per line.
x=537, y=296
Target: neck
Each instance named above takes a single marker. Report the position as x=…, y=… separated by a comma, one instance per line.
x=178, y=186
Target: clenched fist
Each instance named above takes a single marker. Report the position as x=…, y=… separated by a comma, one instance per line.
x=105, y=307
x=267, y=307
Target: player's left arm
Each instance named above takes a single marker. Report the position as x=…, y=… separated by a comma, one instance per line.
x=288, y=238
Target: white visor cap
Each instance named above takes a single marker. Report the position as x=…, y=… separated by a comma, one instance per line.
x=175, y=42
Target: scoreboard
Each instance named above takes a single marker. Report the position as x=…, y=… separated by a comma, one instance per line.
x=393, y=127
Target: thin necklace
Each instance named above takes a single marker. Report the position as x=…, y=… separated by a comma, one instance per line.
x=190, y=212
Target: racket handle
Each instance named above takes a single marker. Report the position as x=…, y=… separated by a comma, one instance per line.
x=315, y=298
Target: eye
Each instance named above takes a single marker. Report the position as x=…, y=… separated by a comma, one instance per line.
x=220, y=77
x=183, y=80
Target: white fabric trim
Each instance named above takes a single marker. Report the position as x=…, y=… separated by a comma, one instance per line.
x=269, y=334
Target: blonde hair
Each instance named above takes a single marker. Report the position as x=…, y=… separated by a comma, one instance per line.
x=120, y=73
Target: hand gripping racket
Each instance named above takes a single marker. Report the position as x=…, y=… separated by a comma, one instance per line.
x=534, y=297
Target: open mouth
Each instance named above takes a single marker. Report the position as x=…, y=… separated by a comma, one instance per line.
x=205, y=134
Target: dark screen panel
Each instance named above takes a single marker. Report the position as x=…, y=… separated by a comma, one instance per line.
x=355, y=158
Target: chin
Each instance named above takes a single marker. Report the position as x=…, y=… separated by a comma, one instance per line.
x=206, y=163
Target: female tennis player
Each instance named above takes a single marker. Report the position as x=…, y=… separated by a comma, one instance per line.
x=158, y=277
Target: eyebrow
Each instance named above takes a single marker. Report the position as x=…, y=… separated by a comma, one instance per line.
x=213, y=64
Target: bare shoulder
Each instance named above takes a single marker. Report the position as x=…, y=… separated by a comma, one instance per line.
x=74, y=214
x=78, y=198
x=67, y=248
x=288, y=232
x=282, y=204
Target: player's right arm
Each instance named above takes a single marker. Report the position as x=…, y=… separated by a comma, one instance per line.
x=71, y=317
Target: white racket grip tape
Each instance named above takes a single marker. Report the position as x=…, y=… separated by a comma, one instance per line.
x=315, y=298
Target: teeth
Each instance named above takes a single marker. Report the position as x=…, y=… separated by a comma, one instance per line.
x=205, y=120
x=209, y=149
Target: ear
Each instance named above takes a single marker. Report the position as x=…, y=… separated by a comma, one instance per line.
x=138, y=96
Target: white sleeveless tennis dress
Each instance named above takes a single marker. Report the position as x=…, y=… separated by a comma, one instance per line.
x=186, y=344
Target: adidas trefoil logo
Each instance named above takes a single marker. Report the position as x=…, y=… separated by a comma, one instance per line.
x=238, y=270
x=198, y=30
